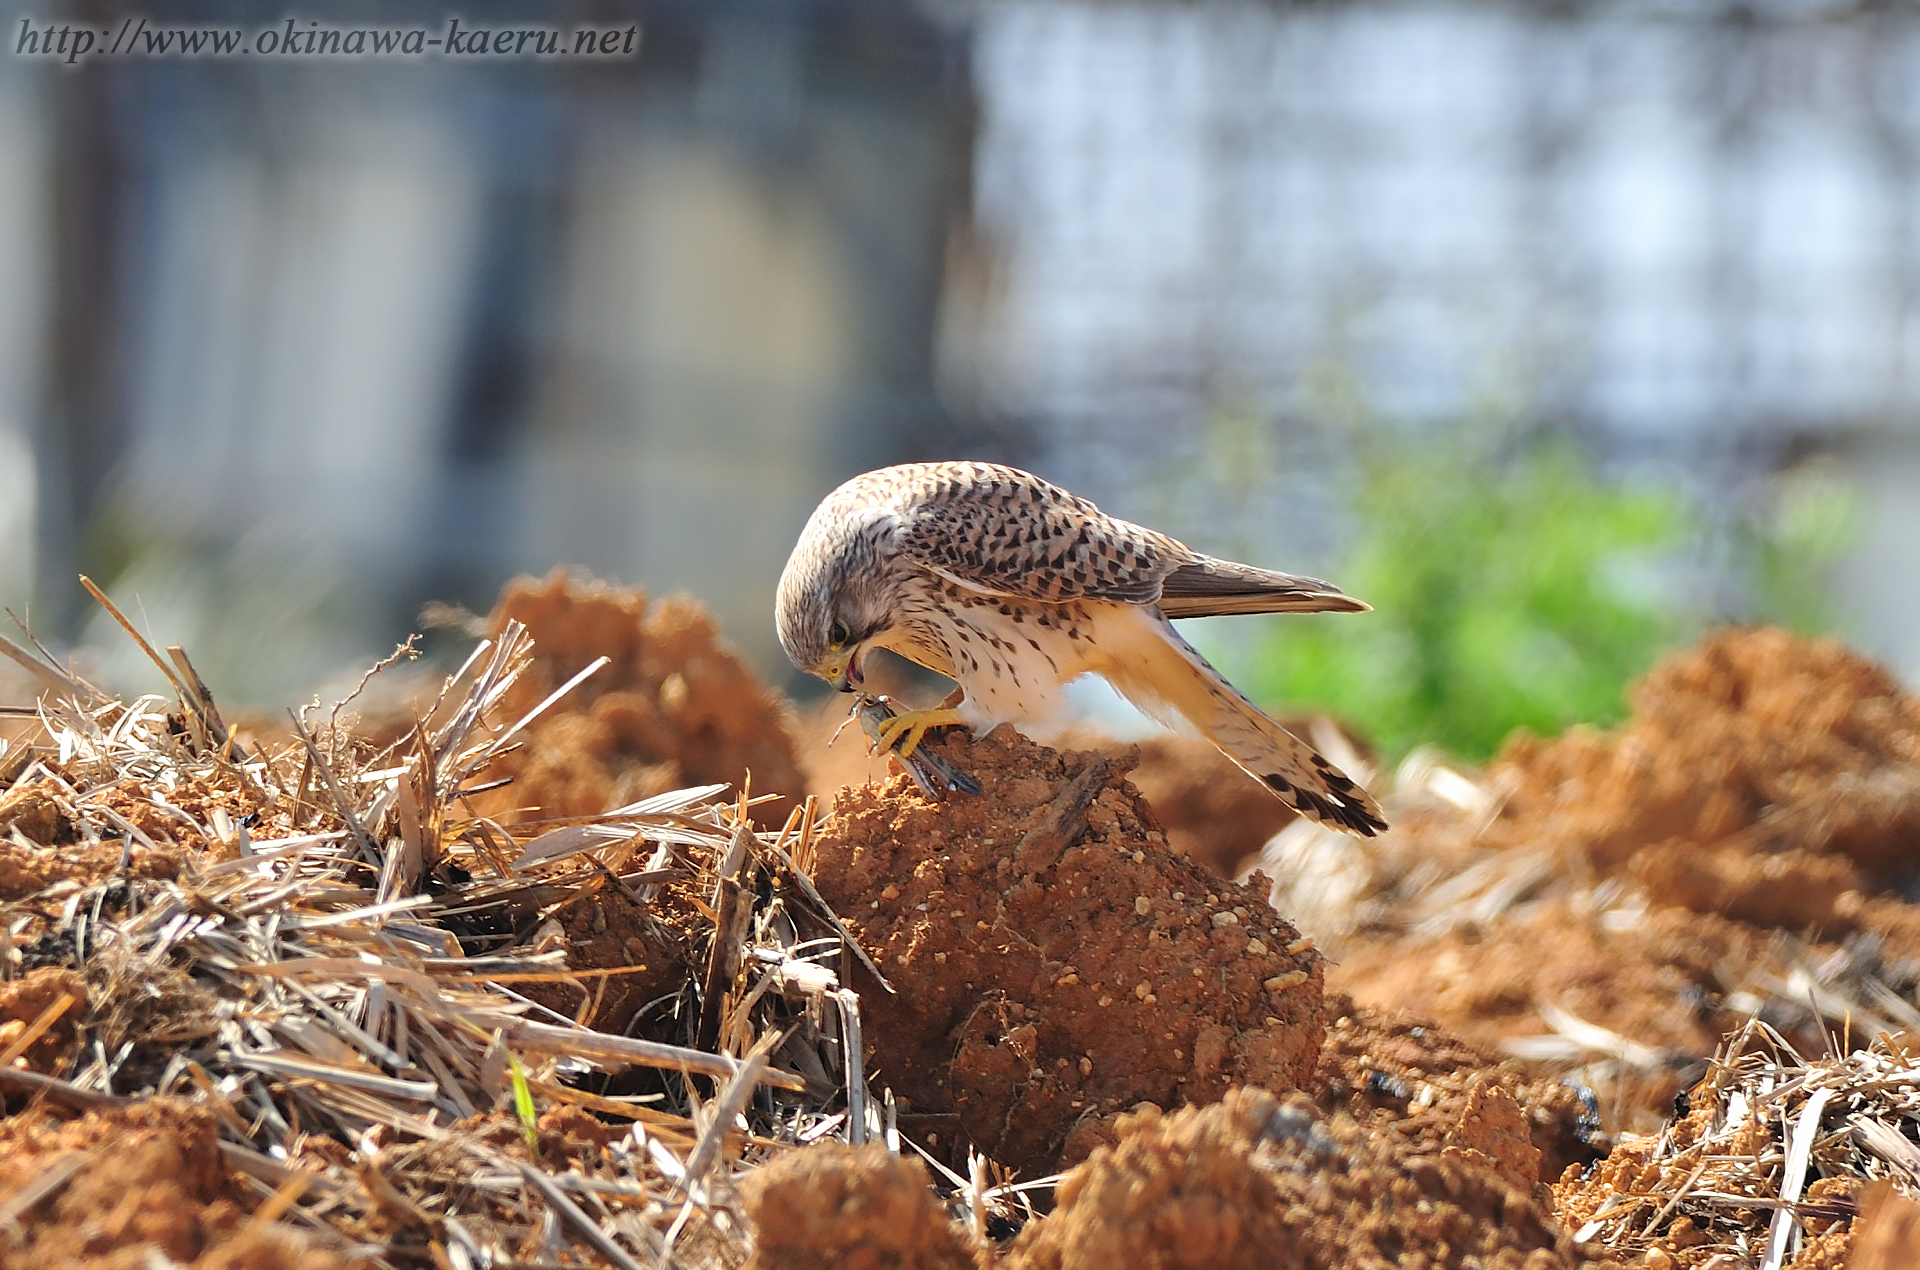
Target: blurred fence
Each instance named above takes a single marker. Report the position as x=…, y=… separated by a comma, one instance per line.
x=1687, y=231
x=304, y=344
x=313, y=343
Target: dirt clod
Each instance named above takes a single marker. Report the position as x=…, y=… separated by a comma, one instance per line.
x=1755, y=739
x=1397, y=1073
x=36, y=813
x=1255, y=1182
x=851, y=1208
x=23, y=1001
x=148, y=1183
x=40, y=843
x=1051, y=975
x=1492, y=1130
x=676, y=707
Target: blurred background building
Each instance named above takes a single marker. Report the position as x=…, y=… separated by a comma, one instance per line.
x=289, y=350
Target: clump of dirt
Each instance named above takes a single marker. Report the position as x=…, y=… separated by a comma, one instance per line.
x=609, y=929
x=1397, y=1074
x=27, y=871
x=38, y=813
x=1663, y=982
x=144, y=1183
x=1763, y=799
x=24, y=1000
x=676, y=707
x=1798, y=759
x=836, y=1206
x=1255, y=1182
x=1055, y=961
x=42, y=842
x=1491, y=1129
x=174, y=817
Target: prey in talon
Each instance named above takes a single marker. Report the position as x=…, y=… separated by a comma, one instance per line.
x=933, y=774
x=1012, y=587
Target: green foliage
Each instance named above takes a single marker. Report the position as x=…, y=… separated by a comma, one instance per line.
x=1516, y=593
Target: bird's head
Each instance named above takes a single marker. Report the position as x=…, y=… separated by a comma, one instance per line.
x=837, y=592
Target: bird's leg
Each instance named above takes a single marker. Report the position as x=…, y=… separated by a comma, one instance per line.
x=908, y=729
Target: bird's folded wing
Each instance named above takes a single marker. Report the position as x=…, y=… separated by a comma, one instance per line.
x=1207, y=587
x=1028, y=540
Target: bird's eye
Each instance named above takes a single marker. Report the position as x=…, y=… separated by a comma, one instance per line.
x=838, y=634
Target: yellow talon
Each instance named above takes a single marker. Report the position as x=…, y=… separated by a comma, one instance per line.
x=914, y=726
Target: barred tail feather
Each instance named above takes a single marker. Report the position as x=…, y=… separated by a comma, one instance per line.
x=1157, y=670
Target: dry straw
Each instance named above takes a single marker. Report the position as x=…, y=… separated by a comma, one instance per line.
x=1764, y=1126
x=319, y=967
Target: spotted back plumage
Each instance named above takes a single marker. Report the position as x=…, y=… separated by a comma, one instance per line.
x=1007, y=532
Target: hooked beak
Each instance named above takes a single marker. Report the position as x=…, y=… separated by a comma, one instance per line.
x=845, y=674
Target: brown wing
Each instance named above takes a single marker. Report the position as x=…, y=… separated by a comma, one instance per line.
x=1205, y=587
x=1002, y=531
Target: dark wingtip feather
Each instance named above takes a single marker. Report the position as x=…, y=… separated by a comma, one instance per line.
x=1349, y=813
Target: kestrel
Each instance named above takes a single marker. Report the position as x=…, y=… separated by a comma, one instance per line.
x=1012, y=587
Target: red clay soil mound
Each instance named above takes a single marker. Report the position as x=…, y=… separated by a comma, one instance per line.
x=1255, y=1182
x=1662, y=983
x=676, y=707
x=1213, y=812
x=1766, y=786
x=1055, y=962
x=145, y=1185
x=1761, y=773
x=835, y=1207
x=1400, y=1076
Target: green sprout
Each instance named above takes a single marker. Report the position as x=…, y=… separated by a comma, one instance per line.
x=523, y=1104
